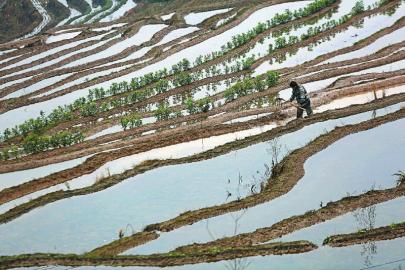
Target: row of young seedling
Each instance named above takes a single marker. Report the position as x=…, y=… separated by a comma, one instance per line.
x=88, y=107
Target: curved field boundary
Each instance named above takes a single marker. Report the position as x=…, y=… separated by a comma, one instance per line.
x=45, y=19
x=179, y=134
x=161, y=260
x=57, y=68
x=157, y=58
x=174, y=91
x=278, y=187
x=210, y=34
x=85, y=34
x=41, y=47
x=295, y=223
x=227, y=107
x=325, y=34
x=284, y=177
x=389, y=232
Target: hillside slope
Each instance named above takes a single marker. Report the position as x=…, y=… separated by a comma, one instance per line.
x=17, y=18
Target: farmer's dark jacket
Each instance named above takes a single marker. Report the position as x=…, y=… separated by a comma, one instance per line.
x=300, y=94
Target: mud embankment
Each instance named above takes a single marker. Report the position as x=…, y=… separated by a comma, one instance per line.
x=123, y=244
x=324, y=35
x=295, y=223
x=314, y=77
x=159, y=260
x=22, y=102
x=312, y=66
x=390, y=232
x=318, y=76
x=40, y=47
x=95, y=162
x=285, y=176
x=196, y=117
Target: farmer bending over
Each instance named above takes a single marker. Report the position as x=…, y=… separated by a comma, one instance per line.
x=300, y=94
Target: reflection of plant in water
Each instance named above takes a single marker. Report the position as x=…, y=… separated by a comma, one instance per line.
x=401, y=177
x=368, y=252
x=374, y=114
x=274, y=150
x=391, y=11
x=120, y=234
x=398, y=268
x=236, y=263
x=239, y=186
x=259, y=179
x=255, y=186
x=365, y=218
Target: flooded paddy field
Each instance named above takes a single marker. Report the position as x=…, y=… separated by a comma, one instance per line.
x=134, y=136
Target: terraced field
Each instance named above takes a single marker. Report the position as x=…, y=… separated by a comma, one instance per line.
x=153, y=134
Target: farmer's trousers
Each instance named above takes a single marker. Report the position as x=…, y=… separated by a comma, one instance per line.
x=307, y=107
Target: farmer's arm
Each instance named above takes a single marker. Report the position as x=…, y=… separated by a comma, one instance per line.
x=292, y=96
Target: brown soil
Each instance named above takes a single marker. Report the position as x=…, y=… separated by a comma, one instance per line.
x=42, y=46
x=327, y=34
x=295, y=223
x=124, y=244
x=52, y=70
x=91, y=164
x=317, y=76
x=15, y=103
x=378, y=234
x=110, y=122
x=287, y=174
x=242, y=243
x=17, y=18
x=113, y=137
x=161, y=260
x=83, y=150
x=8, y=90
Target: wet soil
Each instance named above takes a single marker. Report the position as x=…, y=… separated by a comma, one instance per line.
x=295, y=223
x=161, y=260
x=15, y=103
x=284, y=178
x=390, y=232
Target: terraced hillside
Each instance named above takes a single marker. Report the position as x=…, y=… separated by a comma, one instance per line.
x=156, y=134
x=27, y=18
x=17, y=18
